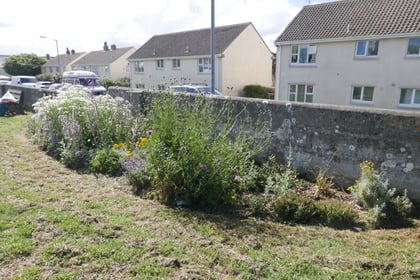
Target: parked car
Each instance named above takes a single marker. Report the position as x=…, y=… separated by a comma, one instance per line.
x=88, y=80
x=194, y=89
x=27, y=81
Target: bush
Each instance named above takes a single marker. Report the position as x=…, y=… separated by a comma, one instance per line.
x=106, y=161
x=257, y=91
x=294, y=208
x=74, y=124
x=385, y=207
x=335, y=213
x=195, y=157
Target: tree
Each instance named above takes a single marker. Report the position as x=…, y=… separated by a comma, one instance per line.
x=23, y=64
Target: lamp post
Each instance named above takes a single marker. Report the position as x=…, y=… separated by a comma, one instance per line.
x=58, y=53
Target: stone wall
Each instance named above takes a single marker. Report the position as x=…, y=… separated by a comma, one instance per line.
x=321, y=137
x=334, y=139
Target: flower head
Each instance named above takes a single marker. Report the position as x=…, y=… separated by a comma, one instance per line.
x=218, y=160
x=183, y=148
x=149, y=132
x=203, y=166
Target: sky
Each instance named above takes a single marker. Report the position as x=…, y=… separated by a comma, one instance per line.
x=85, y=25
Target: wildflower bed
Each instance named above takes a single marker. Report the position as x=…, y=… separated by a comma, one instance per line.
x=59, y=224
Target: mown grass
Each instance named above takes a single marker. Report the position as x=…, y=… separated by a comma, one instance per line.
x=58, y=224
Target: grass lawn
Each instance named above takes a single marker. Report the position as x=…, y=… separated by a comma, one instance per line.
x=59, y=224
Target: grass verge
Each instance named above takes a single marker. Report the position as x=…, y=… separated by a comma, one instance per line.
x=58, y=224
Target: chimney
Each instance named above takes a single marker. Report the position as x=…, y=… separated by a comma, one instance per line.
x=113, y=47
x=106, y=48
x=73, y=52
x=48, y=56
x=67, y=51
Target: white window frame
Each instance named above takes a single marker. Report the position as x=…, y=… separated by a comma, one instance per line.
x=160, y=64
x=416, y=43
x=413, y=93
x=139, y=66
x=303, y=54
x=204, y=65
x=140, y=86
x=308, y=95
x=368, y=46
x=362, y=97
x=176, y=63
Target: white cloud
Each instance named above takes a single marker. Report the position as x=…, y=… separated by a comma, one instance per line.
x=86, y=25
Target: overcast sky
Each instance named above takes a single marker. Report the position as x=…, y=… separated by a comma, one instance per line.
x=85, y=25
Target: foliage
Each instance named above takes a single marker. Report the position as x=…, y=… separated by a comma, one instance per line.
x=335, y=213
x=23, y=64
x=45, y=77
x=199, y=155
x=74, y=124
x=106, y=161
x=295, y=208
x=258, y=91
x=106, y=82
x=372, y=192
x=123, y=82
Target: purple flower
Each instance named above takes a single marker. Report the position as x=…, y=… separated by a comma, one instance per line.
x=203, y=166
x=149, y=132
x=183, y=148
x=218, y=160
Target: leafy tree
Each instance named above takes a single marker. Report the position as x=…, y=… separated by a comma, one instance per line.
x=23, y=64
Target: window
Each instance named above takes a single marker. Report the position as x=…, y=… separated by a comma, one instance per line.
x=301, y=93
x=138, y=66
x=410, y=96
x=414, y=47
x=362, y=94
x=176, y=63
x=367, y=48
x=303, y=54
x=204, y=65
x=140, y=86
x=161, y=87
x=159, y=64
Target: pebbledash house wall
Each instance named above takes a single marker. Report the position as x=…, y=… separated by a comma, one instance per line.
x=334, y=139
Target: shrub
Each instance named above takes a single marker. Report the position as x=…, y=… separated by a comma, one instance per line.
x=258, y=91
x=106, y=161
x=294, y=208
x=74, y=124
x=198, y=155
x=258, y=205
x=336, y=213
x=385, y=207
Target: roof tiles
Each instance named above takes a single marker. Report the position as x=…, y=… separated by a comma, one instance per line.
x=353, y=18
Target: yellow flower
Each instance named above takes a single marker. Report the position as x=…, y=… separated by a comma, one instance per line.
x=128, y=153
x=141, y=142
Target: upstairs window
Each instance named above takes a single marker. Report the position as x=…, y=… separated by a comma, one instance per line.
x=413, y=47
x=301, y=93
x=410, y=96
x=204, y=65
x=176, y=63
x=367, y=48
x=138, y=67
x=159, y=64
x=303, y=54
x=362, y=94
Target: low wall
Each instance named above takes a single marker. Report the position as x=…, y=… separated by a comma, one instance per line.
x=334, y=139
x=330, y=138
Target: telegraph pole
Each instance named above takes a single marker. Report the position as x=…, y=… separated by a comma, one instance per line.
x=212, y=44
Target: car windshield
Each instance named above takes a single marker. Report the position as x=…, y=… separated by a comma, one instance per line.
x=28, y=80
x=89, y=82
x=207, y=90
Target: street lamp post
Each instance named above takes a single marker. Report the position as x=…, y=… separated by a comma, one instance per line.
x=58, y=53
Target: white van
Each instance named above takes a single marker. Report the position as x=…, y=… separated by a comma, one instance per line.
x=88, y=80
x=27, y=81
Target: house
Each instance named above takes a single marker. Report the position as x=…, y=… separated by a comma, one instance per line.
x=241, y=58
x=110, y=63
x=352, y=52
x=63, y=61
x=2, y=59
